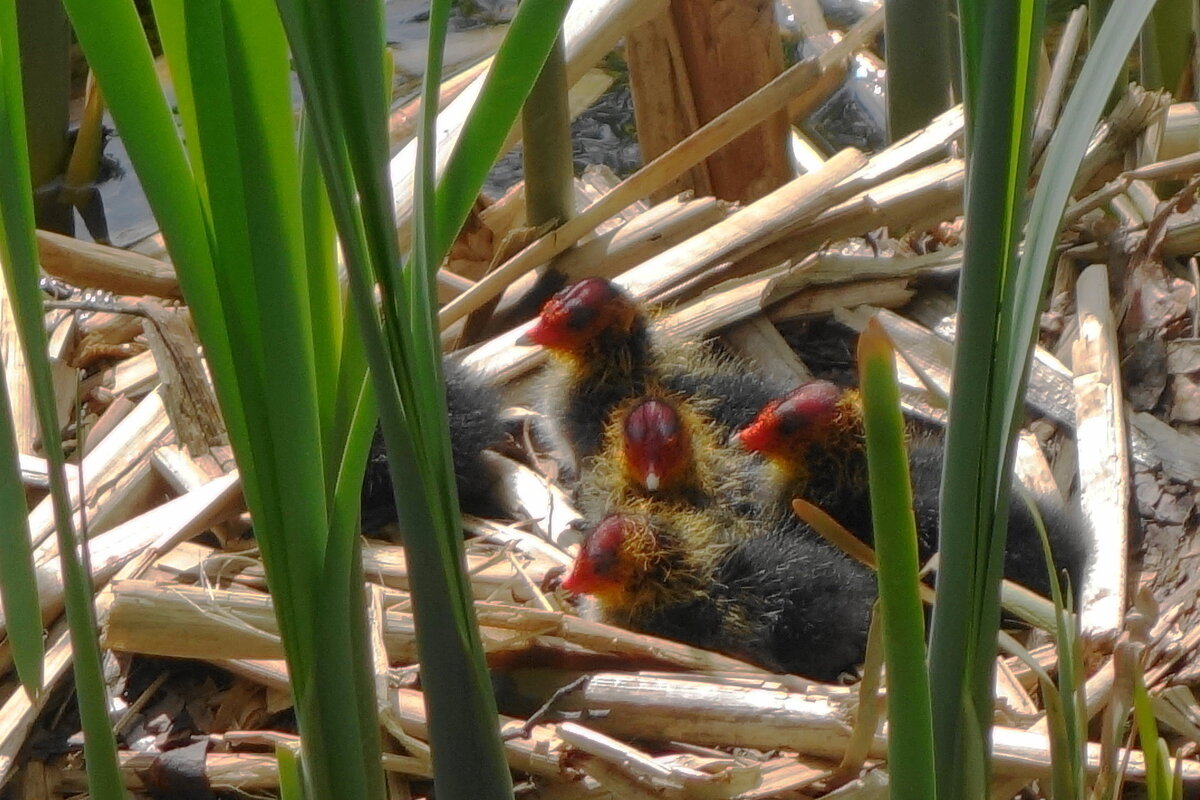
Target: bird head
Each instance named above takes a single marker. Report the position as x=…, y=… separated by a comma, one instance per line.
x=809, y=414
x=580, y=313
x=656, y=445
x=613, y=555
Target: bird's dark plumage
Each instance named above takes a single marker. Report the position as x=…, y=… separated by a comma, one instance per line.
x=736, y=393
x=473, y=408
x=820, y=456
x=605, y=354
x=807, y=607
x=771, y=593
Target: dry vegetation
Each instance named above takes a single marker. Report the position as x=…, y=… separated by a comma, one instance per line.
x=194, y=653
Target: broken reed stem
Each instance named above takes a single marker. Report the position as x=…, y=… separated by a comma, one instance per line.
x=704, y=713
x=171, y=619
x=709, y=138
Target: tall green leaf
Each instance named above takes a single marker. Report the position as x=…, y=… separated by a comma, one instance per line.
x=999, y=41
x=999, y=303
x=19, y=254
x=400, y=339
x=910, y=737
x=922, y=65
x=248, y=229
x=514, y=70
x=18, y=584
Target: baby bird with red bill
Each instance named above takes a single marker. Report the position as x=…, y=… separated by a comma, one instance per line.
x=814, y=443
x=603, y=353
x=662, y=446
x=776, y=597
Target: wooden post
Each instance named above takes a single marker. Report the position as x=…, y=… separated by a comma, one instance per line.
x=691, y=63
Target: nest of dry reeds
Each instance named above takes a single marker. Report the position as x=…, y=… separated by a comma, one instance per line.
x=784, y=281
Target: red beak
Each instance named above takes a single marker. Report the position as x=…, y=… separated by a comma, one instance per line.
x=533, y=336
x=582, y=578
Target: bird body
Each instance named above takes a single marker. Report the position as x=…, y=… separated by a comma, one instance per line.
x=814, y=443
x=603, y=353
x=773, y=595
x=473, y=409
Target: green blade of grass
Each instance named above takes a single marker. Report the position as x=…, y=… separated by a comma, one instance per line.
x=289, y=774
x=232, y=222
x=910, y=726
x=1063, y=156
x=1066, y=708
x=254, y=189
x=18, y=583
x=546, y=154
x=19, y=254
x=1159, y=779
x=1166, y=46
x=530, y=37
x=348, y=119
x=999, y=40
x=989, y=378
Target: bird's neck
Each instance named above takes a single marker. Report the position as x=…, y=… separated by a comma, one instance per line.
x=612, y=353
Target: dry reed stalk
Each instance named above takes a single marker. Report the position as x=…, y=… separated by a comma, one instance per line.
x=187, y=393
x=590, y=30
x=113, y=472
x=1104, y=473
x=192, y=622
x=222, y=772
x=111, y=327
x=752, y=227
x=34, y=471
x=658, y=228
x=818, y=300
x=1060, y=72
x=758, y=341
x=1049, y=385
x=616, y=765
x=1136, y=109
x=531, y=496
x=913, y=200
x=107, y=422
x=96, y=266
x=1180, y=130
x=19, y=712
x=680, y=709
x=490, y=571
x=129, y=378
x=642, y=183
x=1154, y=442
x=60, y=352
x=174, y=521
x=16, y=376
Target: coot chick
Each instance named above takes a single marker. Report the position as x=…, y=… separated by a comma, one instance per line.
x=813, y=440
x=775, y=595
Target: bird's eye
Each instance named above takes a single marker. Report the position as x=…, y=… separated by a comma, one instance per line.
x=603, y=562
x=603, y=546
x=790, y=425
x=580, y=317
